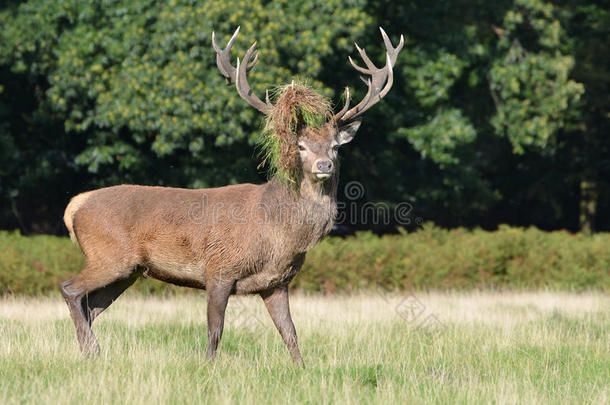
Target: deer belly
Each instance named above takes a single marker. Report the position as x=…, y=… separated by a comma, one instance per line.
x=271, y=276
x=176, y=270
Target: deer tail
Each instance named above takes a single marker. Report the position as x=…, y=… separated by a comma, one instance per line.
x=75, y=204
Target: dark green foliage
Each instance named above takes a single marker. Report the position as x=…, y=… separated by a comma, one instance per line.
x=498, y=112
x=432, y=258
x=106, y=92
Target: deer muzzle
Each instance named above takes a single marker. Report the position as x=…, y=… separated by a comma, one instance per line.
x=323, y=169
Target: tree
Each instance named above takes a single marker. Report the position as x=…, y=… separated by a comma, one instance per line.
x=497, y=114
x=135, y=87
x=587, y=25
x=486, y=99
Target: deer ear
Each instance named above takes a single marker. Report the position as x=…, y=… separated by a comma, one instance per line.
x=347, y=132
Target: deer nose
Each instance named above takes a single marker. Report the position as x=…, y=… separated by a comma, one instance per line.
x=324, y=166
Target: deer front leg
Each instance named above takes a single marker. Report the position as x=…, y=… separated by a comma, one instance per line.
x=276, y=301
x=218, y=296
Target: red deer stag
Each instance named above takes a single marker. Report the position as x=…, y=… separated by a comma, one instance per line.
x=238, y=239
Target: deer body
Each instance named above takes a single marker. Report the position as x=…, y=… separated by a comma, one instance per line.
x=256, y=235
x=239, y=239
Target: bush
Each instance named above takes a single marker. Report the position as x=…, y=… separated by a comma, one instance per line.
x=435, y=258
x=35, y=265
x=431, y=258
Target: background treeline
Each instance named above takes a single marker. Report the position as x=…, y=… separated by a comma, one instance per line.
x=499, y=111
x=431, y=258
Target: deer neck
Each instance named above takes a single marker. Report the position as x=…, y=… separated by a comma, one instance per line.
x=319, y=191
x=311, y=209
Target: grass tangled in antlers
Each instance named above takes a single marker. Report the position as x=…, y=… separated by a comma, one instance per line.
x=297, y=106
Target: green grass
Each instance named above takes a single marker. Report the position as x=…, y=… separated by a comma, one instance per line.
x=486, y=348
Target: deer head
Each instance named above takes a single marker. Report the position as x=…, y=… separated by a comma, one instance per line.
x=303, y=135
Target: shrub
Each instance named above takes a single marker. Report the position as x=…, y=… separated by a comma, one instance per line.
x=431, y=258
x=434, y=258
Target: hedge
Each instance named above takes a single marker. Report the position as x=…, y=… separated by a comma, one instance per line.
x=431, y=258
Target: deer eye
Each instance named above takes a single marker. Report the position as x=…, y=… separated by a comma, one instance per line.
x=301, y=147
x=335, y=148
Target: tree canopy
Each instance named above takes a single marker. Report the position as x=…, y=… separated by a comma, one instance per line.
x=498, y=111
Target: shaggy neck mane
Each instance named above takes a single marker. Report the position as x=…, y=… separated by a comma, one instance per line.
x=307, y=214
x=309, y=191
x=312, y=207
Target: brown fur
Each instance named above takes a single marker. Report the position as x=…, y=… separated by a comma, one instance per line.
x=241, y=239
x=72, y=207
x=166, y=231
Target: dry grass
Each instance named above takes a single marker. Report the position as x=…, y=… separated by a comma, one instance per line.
x=539, y=347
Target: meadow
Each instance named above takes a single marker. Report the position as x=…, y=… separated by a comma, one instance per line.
x=376, y=347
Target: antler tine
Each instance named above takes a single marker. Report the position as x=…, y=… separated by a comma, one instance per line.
x=393, y=52
x=390, y=81
x=341, y=113
x=375, y=99
x=381, y=79
x=356, y=110
x=369, y=64
x=239, y=74
x=243, y=88
x=358, y=68
x=253, y=63
x=223, y=58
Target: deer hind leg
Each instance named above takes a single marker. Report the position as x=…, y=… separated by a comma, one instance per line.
x=277, y=304
x=96, y=302
x=87, y=295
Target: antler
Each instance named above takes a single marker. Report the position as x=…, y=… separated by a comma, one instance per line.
x=238, y=74
x=379, y=76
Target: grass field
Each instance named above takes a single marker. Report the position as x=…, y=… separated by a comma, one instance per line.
x=389, y=349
